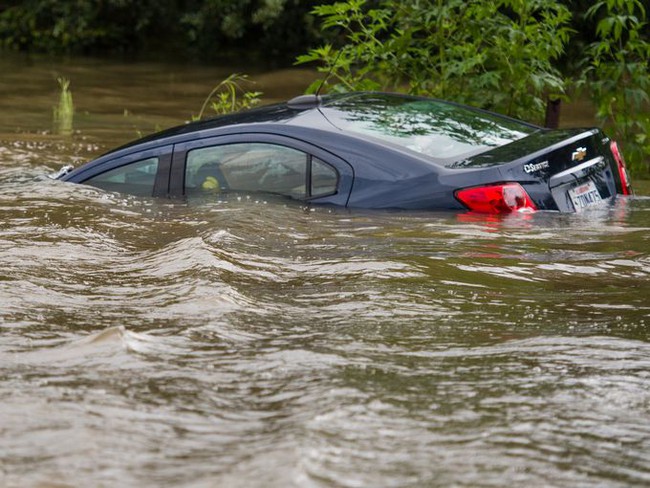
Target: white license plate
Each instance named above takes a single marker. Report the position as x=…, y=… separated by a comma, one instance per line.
x=584, y=196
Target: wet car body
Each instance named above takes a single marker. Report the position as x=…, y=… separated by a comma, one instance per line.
x=371, y=150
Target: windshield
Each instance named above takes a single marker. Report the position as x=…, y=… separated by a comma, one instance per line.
x=441, y=130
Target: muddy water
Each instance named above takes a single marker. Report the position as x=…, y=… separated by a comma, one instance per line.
x=255, y=343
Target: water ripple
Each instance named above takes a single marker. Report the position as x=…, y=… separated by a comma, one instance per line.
x=255, y=342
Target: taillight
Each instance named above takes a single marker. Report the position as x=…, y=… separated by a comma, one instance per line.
x=626, y=185
x=496, y=199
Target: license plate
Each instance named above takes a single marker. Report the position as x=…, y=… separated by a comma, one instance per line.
x=584, y=196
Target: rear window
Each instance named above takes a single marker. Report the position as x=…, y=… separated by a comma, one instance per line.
x=441, y=130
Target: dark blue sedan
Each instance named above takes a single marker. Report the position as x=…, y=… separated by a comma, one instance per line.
x=371, y=150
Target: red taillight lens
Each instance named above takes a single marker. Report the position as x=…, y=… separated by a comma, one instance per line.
x=626, y=185
x=496, y=199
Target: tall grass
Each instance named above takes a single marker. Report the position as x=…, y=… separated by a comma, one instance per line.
x=229, y=96
x=63, y=112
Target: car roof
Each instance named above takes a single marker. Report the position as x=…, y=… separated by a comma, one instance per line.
x=294, y=111
x=281, y=113
x=371, y=117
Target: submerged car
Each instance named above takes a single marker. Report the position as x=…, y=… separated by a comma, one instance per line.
x=371, y=150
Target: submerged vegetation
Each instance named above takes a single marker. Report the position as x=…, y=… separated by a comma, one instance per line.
x=63, y=112
x=230, y=96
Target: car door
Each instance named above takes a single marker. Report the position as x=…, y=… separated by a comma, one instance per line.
x=267, y=163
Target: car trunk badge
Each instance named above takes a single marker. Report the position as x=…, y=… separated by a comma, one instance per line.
x=533, y=167
x=579, y=154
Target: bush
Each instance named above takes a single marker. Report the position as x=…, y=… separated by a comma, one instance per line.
x=230, y=96
x=79, y=25
x=206, y=29
x=502, y=55
x=497, y=55
x=618, y=77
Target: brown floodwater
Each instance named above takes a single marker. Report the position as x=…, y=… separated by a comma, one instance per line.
x=255, y=343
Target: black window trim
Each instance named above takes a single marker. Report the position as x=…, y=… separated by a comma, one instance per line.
x=309, y=158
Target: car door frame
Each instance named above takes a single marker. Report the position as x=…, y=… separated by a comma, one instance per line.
x=343, y=168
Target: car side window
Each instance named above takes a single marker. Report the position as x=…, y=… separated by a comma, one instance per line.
x=135, y=178
x=324, y=178
x=258, y=167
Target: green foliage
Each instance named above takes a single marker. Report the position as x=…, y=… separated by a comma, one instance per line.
x=275, y=28
x=78, y=25
x=501, y=55
x=494, y=54
x=205, y=28
x=229, y=19
x=618, y=76
x=229, y=96
x=63, y=112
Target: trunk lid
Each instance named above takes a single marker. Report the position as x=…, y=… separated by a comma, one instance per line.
x=566, y=170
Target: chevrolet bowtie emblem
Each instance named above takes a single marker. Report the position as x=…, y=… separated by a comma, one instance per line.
x=579, y=154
